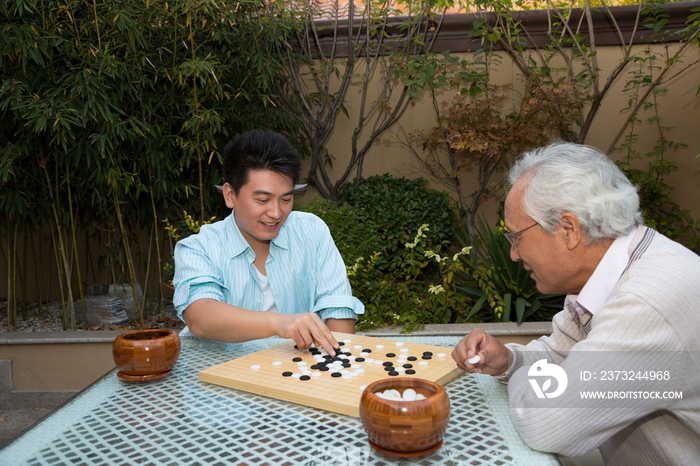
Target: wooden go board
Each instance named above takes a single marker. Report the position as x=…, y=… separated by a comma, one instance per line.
x=262, y=372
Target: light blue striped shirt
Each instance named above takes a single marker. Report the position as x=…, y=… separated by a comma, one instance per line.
x=305, y=270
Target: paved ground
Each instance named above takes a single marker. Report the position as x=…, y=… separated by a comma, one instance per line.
x=15, y=421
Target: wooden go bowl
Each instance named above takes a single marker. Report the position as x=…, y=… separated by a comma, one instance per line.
x=142, y=353
x=405, y=428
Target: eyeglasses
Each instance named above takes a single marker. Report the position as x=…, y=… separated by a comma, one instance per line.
x=511, y=236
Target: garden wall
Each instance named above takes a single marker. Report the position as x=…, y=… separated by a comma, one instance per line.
x=680, y=109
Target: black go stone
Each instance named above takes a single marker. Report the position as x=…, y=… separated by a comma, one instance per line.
x=336, y=374
x=341, y=343
x=427, y=353
x=408, y=366
x=305, y=377
x=346, y=364
x=412, y=358
x=287, y=374
x=360, y=359
x=366, y=350
x=425, y=356
x=388, y=368
x=315, y=366
x=393, y=373
x=323, y=368
x=388, y=363
x=410, y=371
x=296, y=359
x=390, y=355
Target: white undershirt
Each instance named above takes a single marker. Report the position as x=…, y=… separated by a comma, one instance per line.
x=268, y=299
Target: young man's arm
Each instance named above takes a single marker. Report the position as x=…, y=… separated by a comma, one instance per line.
x=341, y=325
x=214, y=320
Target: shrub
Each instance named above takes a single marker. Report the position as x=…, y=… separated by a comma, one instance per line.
x=353, y=233
x=382, y=233
x=504, y=291
x=397, y=207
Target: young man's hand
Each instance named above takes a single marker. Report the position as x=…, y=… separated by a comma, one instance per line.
x=306, y=329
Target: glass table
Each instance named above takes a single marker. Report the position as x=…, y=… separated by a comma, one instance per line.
x=180, y=420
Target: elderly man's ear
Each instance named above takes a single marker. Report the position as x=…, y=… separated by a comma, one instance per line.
x=573, y=235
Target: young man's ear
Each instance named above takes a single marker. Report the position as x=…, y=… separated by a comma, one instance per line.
x=229, y=195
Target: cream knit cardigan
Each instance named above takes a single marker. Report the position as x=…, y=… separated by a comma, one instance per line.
x=655, y=306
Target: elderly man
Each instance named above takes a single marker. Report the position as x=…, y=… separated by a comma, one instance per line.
x=263, y=271
x=574, y=221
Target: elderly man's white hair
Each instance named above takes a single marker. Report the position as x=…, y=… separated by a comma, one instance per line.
x=568, y=177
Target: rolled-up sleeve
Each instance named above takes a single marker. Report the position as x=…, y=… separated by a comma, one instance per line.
x=339, y=307
x=195, y=276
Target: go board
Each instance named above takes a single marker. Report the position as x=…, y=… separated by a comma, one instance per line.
x=337, y=388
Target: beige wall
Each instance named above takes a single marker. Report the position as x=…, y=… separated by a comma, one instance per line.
x=678, y=106
x=57, y=366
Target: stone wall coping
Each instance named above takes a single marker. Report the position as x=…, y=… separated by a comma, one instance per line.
x=496, y=329
x=60, y=337
x=108, y=336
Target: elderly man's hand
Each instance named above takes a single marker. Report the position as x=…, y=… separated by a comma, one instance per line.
x=306, y=329
x=493, y=355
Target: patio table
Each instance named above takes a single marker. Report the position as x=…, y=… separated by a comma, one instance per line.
x=181, y=420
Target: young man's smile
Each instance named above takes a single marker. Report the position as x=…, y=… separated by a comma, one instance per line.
x=262, y=205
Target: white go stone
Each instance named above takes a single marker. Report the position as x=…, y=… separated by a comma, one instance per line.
x=315, y=374
x=369, y=360
x=362, y=388
x=296, y=376
x=474, y=360
x=399, y=343
x=255, y=367
x=392, y=394
x=277, y=363
x=404, y=350
x=441, y=355
x=358, y=346
x=423, y=363
x=378, y=362
x=379, y=346
x=409, y=394
x=347, y=377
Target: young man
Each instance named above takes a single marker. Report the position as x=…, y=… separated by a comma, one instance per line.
x=633, y=296
x=264, y=270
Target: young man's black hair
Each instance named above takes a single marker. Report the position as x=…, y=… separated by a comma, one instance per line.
x=259, y=149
